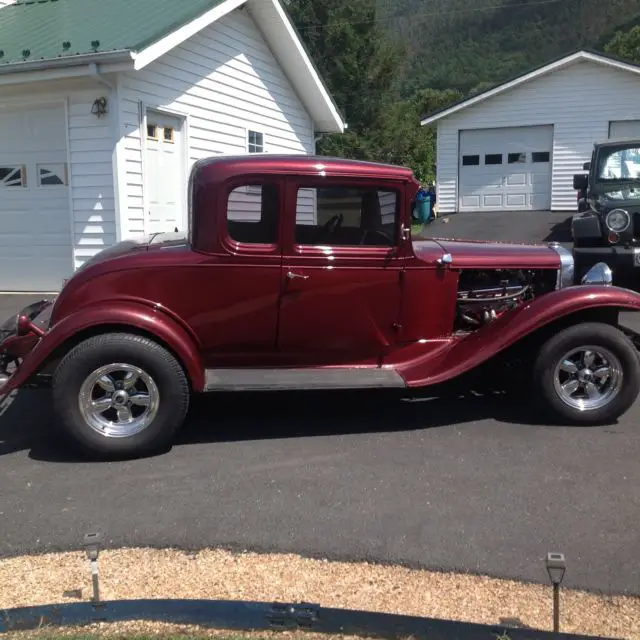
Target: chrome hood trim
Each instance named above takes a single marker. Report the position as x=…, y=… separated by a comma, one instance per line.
x=566, y=273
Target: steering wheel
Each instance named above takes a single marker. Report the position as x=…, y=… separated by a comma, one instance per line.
x=379, y=232
x=331, y=225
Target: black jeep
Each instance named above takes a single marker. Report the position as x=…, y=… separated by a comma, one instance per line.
x=609, y=229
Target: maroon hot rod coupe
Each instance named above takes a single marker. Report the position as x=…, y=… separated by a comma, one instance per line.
x=301, y=273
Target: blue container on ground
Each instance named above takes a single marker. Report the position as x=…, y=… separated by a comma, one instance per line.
x=423, y=206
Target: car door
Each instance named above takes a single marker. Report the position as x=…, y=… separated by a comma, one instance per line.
x=235, y=314
x=342, y=270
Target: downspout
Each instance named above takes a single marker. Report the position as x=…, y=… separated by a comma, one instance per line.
x=319, y=136
x=316, y=139
x=94, y=71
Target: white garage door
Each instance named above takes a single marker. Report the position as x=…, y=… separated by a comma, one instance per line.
x=506, y=168
x=624, y=129
x=35, y=225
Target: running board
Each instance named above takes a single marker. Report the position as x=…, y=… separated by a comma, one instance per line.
x=302, y=379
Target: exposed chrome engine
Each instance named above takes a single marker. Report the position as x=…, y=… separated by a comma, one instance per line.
x=485, y=294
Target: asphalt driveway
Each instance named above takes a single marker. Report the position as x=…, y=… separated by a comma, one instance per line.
x=473, y=485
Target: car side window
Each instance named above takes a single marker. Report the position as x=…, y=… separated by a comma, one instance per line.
x=346, y=216
x=253, y=214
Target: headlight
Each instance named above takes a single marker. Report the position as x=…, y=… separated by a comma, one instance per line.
x=618, y=220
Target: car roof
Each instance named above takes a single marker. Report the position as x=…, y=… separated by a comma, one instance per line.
x=304, y=165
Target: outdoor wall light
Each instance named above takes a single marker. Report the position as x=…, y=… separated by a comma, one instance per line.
x=556, y=567
x=99, y=107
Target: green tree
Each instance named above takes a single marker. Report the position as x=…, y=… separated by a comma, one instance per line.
x=399, y=137
x=362, y=66
x=626, y=45
x=465, y=44
x=357, y=58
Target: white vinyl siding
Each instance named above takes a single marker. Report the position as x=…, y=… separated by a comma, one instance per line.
x=245, y=204
x=388, y=206
x=91, y=144
x=227, y=82
x=575, y=100
x=89, y=205
x=306, y=210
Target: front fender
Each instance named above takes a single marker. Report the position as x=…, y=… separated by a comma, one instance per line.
x=476, y=348
x=585, y=226
x=152, y=320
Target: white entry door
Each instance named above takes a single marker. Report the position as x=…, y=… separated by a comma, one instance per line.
x=165, y=182
x=505, y=168
x=36, y=252
x=620, y=129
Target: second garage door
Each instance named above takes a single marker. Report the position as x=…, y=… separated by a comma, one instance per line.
x=508, y=168
x=624, y=129
x=35, y=224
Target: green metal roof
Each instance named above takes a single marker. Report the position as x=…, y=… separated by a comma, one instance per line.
x=32, y=30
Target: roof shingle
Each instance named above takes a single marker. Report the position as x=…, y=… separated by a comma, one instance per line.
x=32, y=30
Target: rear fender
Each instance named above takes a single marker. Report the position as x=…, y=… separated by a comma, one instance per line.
x=133, y=316
x=479, y=347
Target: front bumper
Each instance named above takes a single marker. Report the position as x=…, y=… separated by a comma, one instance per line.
x=624, y=262
x=19, y=334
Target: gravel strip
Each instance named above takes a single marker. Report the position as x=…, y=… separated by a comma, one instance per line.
x=216, y=574
x=153, y=631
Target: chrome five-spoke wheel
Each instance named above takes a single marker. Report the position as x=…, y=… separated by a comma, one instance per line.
x=120, y=395
x=119, y=400
x=588, y=377
x=586, y=373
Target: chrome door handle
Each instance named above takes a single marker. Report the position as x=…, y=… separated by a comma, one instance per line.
x=293, y=276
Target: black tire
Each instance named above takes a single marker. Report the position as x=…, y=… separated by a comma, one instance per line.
x=581, y=335
x=158, y=363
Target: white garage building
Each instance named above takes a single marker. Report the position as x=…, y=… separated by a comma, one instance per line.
x=105, y=106
x=518, y=145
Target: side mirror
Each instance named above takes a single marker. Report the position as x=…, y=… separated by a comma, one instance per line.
x=586, y=166
x=580, y=181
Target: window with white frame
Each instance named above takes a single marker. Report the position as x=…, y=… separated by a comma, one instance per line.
x=255, y=142
x=52, y=175
x=13, y=176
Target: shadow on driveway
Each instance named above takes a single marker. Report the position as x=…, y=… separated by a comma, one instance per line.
x=27, y=423
x=560, y=232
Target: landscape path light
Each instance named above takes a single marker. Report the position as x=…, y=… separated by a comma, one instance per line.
x=556, y=568
x=91, y=544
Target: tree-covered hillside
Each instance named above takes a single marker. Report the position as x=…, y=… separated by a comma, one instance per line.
x=470, y=44
x=389, y=62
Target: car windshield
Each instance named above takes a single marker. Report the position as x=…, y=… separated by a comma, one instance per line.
x=630, y=191
x=618, y=164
